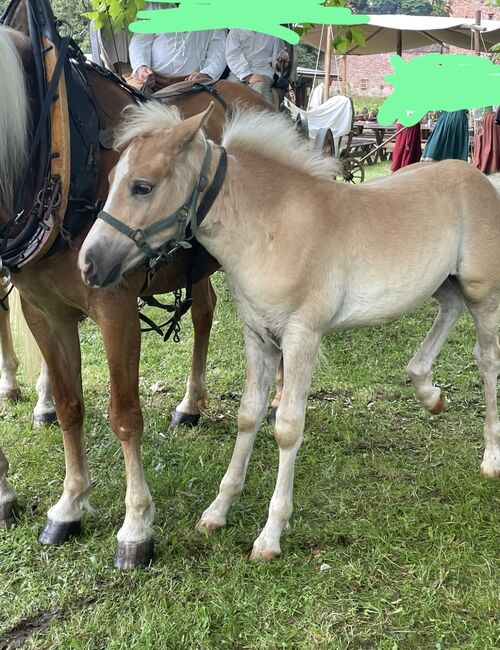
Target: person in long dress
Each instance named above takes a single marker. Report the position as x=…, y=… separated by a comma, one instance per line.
x=407, y=147
x=487, y=141
x=449, y=139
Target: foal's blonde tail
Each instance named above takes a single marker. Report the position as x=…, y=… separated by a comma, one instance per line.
x=26, y=346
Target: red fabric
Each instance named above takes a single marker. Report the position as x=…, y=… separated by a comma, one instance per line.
x=407, y=148
x=487, y=145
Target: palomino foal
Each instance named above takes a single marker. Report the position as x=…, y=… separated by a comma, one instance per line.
x=340, y=257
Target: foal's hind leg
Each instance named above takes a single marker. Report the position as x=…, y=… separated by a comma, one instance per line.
x=9, y=389
x=487, y=352
x=262, y=359
x=202, y=312
x=59, y=343
x=8, y=498
x=451, y=307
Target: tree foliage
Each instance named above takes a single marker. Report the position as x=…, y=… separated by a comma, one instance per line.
x=406, y=7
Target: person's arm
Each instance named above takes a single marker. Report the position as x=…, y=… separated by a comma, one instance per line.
x=215, y=58
x=140, y=50
x=280, y=52
x=236, y=60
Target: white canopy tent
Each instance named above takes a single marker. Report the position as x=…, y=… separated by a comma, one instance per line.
x=386, y=33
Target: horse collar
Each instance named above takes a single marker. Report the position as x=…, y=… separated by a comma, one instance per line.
x=189, y=216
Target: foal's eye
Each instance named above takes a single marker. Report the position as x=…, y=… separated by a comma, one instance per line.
x=142, y=188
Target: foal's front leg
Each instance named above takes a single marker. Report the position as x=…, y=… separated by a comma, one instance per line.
x=262, y=359
x=299, y=356
x=120, y=327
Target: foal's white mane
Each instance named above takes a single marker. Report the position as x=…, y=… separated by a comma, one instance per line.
x=273, y=135
x=264, y=133
x=14, y=120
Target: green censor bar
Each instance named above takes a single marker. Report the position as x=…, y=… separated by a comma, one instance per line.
x=266, y=16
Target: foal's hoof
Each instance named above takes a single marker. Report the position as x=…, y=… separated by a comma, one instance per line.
x=490, y=471
x=10, y=395
x=440, y=406
x=184, y=419
x=271, y=416
x=258, y=555
x=44, y=419
x=8, y=514
x=209, y=525
x=134, y=556
x=55, y=533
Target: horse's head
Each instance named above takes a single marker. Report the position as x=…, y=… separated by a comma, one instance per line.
x=157, y=173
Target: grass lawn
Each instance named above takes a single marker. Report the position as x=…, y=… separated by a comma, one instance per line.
x=394, y=542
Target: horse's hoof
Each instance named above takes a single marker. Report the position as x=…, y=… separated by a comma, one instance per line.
x=55, y=533
x=10, y=395
x=440, y=406
x=184, y=419
x=134, y=556
x=490, y=472
x=207, y=526
x=44, y=419
x=263, y=555
x=9, y=512
x=271, y=416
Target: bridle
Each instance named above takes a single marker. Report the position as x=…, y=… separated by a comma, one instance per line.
x=189, y=216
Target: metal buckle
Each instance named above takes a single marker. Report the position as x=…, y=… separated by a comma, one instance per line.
x=137, y=236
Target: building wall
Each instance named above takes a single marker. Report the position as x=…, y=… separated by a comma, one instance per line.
x=366, y=74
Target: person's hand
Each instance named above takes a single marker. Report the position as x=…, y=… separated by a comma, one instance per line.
x=145, y=75
x=199, y=76
x=283, y=57
x=254, y=78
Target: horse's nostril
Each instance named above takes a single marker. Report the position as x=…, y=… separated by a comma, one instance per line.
x=89, y=272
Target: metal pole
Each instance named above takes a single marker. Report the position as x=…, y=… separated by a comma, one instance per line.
x=399, y=43
x=328, y=63
x=344, y=74
x=477, y=33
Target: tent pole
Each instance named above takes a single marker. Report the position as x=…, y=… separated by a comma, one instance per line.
x=328, y=63
x=477, y=33
x=399, y=43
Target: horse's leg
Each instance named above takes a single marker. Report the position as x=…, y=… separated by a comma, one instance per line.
x=121, y=332
x=9, y=389
x=44, y=413
x=487, y=352
x=8, y=498
x=262, y=360
x=278, y=382
x=59, y=343
x=451, y=307
x=202, y=312
x=299, y=358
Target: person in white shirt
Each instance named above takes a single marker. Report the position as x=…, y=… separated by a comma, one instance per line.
x=252, y=57
x=193, y=55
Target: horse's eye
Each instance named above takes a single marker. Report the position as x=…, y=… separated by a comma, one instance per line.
x=142, y=188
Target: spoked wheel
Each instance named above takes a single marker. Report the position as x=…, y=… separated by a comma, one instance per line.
x=354, y=171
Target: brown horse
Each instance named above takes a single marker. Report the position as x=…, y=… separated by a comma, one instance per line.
x=54, y=298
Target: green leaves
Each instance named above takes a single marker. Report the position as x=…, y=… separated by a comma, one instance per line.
x=114, y=14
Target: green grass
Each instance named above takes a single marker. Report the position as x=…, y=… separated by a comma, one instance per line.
x=388, y=496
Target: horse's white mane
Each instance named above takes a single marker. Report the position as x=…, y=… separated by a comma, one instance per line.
x=14, y=120
x=260, y=132
x=273, y=135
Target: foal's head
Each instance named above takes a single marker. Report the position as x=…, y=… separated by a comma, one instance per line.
x=161, y=160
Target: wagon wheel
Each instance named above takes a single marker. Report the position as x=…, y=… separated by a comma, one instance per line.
x=302, y=126
x=354, y=172
x=324, y=142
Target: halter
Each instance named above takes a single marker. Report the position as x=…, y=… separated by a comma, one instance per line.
x=188, y=215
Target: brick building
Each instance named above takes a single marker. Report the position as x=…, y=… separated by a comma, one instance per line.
x=366, y=74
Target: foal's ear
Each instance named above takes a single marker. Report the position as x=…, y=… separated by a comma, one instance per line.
x=183, y=134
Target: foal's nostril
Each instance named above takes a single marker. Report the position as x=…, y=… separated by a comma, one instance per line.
x=89, y=273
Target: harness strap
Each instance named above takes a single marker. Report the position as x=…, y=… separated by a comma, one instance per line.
x=213, y=191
